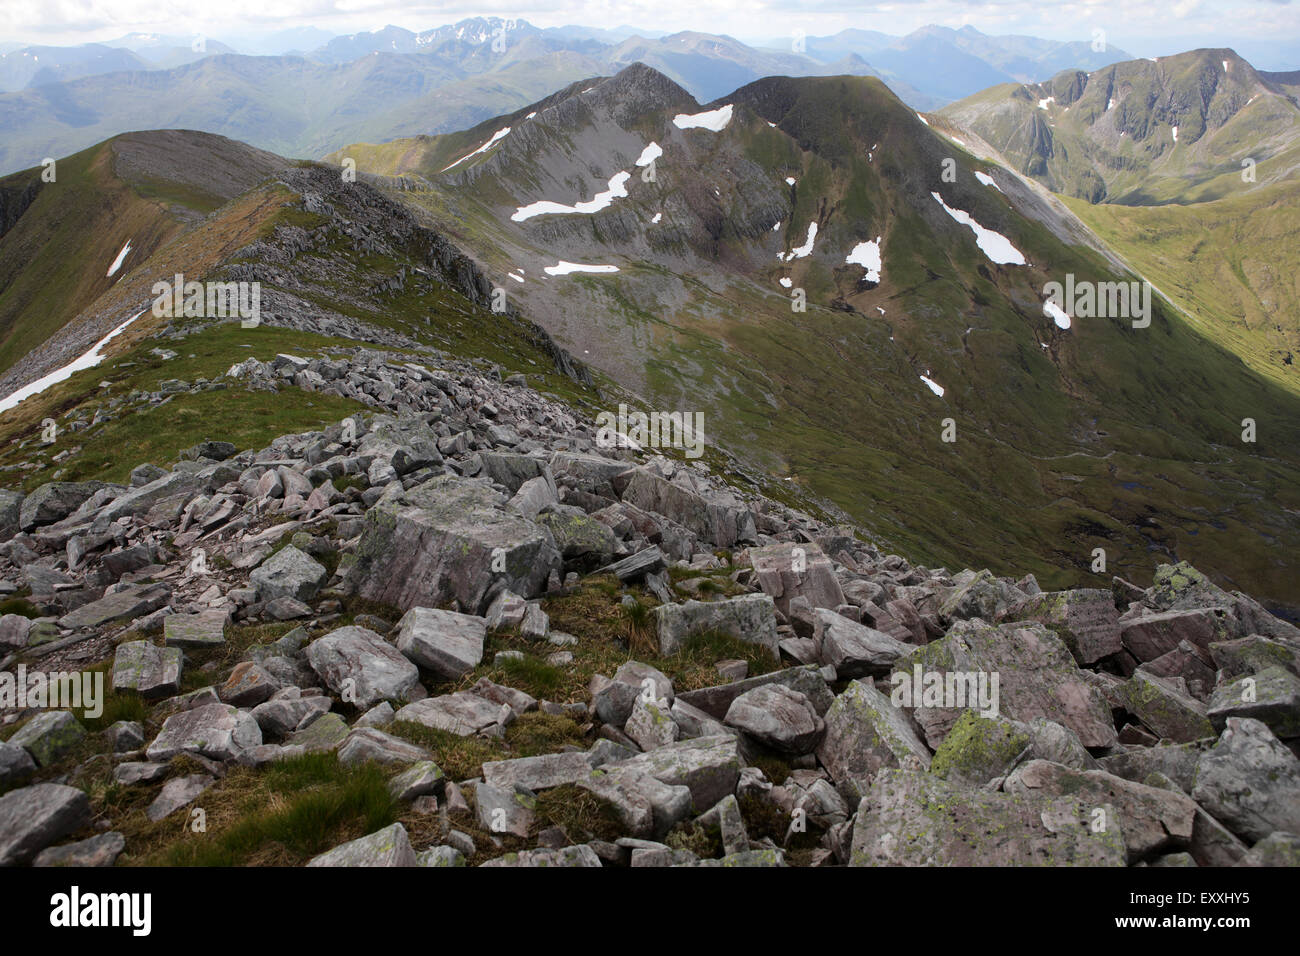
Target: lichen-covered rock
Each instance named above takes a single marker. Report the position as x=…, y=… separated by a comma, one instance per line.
x=1271, y=695
x=651, y=723
x=446, y=540
x=854, y=649
x=1036, y=677
x=1164, y=705
x=1085, y=618
x=363, y=668
x=865, y=733
x=1250, y=781
x=289, y=573
x=708, y=766
x=750, y=618
x=910, y=818
x=387, y=847
x=49, y=735
x=151, y=671
x=977, y=749
x=461, y=713
x=1151, y=820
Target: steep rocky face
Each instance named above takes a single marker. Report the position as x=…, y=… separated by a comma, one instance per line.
x=1139, y=131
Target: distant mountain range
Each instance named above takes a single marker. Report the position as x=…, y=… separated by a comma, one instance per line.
x=394, y=82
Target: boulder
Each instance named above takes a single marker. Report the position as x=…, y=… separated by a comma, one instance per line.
x=1151, y=820
x=865, y=734
x=288, y=573
x=853, y=649
x=750, y=618
x=777, y=717
x=707, y=766
x=1035, y=672
x=1250, y=781
x=910, y=818
x=448, y=540
x=1271, y=696
x=788, y=570
x=537, y=773
x=387, y=847
x=1085, y=618
x=49, y=735
x=218, y=731
x=461, y=713
x=445, y=643
x=34, y=817
x=151, y=671
x=363, y=668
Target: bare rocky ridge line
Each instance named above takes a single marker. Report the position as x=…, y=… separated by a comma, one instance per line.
x=1123, y=734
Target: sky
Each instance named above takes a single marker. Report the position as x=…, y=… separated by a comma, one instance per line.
x=1142, y=27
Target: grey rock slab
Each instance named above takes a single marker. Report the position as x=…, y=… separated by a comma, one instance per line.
x=866, y=733
x=100, y=850
x=176, y=793
x=1085, y=618
x=34, y=817
x=651, y=723
x=750, y=618
x=153, y=672
x=707, y=766
x=218, y=731
x=390, y=846
x=789, y=570
x=504, y=810
x=537, y=773
x=288, y=573
x=1250, y=781
x=1271, y=695
x=448, y=644
x=444, y=541
x=1150, y=819
x=854, y=649
x=910, y=818
x=420, y=779
x=777, y=717
x=461, y=713
x=716, y=700
x=367, y=744
x=363, y=668
x=1037, y=677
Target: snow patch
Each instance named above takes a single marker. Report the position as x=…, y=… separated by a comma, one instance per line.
x=1043, y=104
x=790, y=180
x=563, y=268
x=1175, y=134
x=88, y=360
x=617, y=190
x=531, y=115
x=496, y=137
x=117, y=263
x=715, y=120
x=657, y=216
x=923, y=119
x=649, y=154
x=786, y=282
x=1057, y=314
x=996, y=246
x=867, y=255
x=933, y=385
x=987, y=180
x=517, y=278
x=800, y=252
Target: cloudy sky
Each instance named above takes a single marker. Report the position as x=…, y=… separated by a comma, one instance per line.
x=1143, y=27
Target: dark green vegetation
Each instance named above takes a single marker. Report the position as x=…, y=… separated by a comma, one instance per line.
x=1101, y=436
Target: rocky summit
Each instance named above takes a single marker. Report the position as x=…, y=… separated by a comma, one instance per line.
x=481, y=638
x=667, y=452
